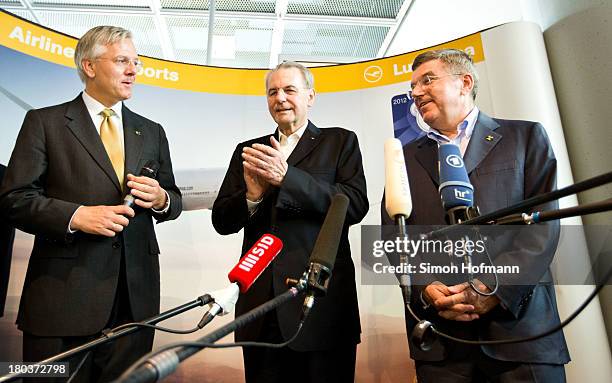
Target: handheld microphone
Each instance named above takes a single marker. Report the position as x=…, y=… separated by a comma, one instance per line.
x=243, y=275
x=324, y=252
x=253, y=263
x=398, y=201
x=149, y=169
x=456, y=191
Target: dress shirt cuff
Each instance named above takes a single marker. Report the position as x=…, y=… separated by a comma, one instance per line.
x=70, y=231
x=252, y=206
x=166, y=207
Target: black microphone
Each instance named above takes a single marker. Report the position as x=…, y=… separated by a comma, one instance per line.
x=324, y=253
x=149, y=169
x=456, y=191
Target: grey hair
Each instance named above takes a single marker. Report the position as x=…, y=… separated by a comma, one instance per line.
x=455, y=60
x=306, y=73
x=91, y=45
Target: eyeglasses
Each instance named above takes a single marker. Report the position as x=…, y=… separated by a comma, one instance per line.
x=123, y=61
x=427, y=80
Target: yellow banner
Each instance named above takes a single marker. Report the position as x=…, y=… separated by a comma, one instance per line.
x=34, y=40
x=386, y=71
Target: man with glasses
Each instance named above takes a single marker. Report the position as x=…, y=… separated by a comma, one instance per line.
x=94, y=264
x=284, y=183
x=507, y=161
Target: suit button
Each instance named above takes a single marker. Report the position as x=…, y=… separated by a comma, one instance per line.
x=116, y=245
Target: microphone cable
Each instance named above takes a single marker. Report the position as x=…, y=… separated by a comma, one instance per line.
x=203, y=345
x=471, y=275
x=423, y=326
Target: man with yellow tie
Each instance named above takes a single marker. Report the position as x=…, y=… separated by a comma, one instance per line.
x=94, y=264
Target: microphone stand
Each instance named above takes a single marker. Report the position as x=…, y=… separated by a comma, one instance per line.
x=543, y=198
x=165, y=363
x=404, y=278
x=459, y=214
x=493, y=217
x=551, y=215
x=111, y=336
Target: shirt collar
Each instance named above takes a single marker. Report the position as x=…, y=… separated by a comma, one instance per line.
x=470, y=120
x=464, y=129
x=95, y=107
x=298, y=133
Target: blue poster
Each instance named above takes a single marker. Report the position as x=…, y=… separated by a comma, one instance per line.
x=405, y=125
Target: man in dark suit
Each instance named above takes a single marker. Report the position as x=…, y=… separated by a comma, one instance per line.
x=507, y=162
x=94, y=264
x=284, y=184
x=7, y=236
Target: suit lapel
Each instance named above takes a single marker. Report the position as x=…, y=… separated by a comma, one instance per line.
x=427, y=156
x=308, y=141
x=484, y=138
x=80, y=123
x=133, y=136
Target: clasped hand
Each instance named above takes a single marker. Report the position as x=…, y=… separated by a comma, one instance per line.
x=460, y=302
x=263, y=166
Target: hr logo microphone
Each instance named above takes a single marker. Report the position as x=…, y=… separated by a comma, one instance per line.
x=463, y=195
x=454, y=161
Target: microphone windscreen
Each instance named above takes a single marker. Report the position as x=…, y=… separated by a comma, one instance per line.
x=455, y=187
x=255, y=261
x=326, y=247
x=150, y=169
x=397, y=188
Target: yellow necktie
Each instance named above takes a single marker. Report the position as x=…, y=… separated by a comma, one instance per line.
x=112, y=143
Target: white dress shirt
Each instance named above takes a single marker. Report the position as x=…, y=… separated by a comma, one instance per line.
x=464, y=132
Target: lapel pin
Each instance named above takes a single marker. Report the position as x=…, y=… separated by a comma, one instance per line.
x=489, y=138
x=137, y=132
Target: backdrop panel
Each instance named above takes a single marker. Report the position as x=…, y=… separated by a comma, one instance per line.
x=206, y=111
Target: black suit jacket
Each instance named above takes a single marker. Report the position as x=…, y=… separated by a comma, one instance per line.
x=507, y=162
x=7, y=235
x=325, y=162
x=58, y=164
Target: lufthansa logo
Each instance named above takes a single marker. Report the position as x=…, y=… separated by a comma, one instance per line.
x=373, y=73
x=454, y=161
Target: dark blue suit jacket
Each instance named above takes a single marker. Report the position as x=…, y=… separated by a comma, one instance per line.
x=507, y=162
